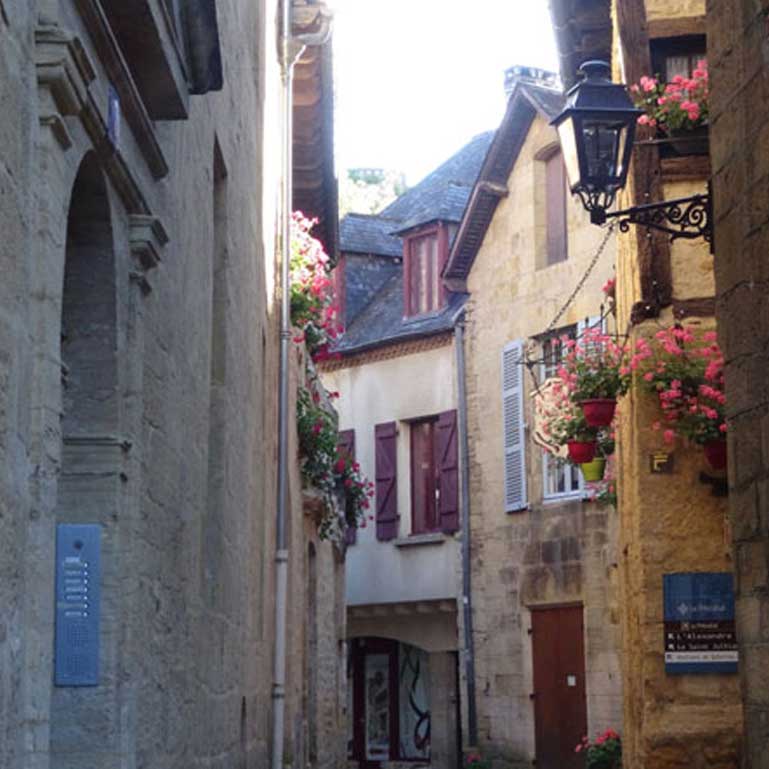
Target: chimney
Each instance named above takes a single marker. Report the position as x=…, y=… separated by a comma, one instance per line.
x=533, y=75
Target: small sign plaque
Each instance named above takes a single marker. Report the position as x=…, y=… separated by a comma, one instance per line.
x=78, y=577
x=699, y=623
x=661, y=463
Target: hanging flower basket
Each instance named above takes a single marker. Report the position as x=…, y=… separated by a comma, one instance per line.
x=599, y=412
x=694, y=141
x=581, y=452
x=593, y=471
x=715, y=453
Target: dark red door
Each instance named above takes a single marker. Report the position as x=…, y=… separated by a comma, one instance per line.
x=560, y=707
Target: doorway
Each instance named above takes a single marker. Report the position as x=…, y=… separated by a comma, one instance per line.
x=391, y=716
x=560, y=704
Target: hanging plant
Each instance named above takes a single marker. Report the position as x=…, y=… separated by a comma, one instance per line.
x=678, y=106
x=334, y=474
x=313, y=309
x=684, y=368
x=596, y=372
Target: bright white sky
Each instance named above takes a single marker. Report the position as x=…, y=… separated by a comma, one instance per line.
x=416, y=79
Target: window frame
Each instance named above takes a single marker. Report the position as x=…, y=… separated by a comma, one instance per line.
x=548, y=460
x=438, y=231
x=549, y=161
x=662, y=48
x=433, y=421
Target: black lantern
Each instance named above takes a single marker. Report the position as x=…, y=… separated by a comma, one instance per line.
x=597, y=130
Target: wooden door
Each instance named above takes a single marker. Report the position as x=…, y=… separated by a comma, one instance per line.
x=560, y=707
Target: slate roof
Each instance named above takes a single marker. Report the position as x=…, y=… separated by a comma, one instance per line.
x=369, y=234
x=525, y=102
x=441, y=196
x=382, y=322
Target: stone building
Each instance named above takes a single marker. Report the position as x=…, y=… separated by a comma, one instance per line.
x=738, y=53
x=398, y=408
x=673, y=524
x=139, y=182
x=544, y=557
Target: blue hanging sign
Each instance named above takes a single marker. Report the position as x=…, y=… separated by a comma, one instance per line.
x=78, y=578
x=699, y=623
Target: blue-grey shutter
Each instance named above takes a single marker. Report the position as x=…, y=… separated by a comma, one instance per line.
x=513, y=427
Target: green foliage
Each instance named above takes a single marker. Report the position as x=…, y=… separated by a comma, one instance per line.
x=604, y=753
x=324, y=467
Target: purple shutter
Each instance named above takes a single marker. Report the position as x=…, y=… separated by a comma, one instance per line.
x=386, y=481
x=346, y=448
x=448, y=471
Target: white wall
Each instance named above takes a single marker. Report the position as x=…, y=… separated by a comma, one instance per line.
x=399, y=389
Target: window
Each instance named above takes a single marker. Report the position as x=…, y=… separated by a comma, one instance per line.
x=425, y=255
x=424, y=477
x=560, y=478
x=673, y=56
x=434, y=474
x=555, y=203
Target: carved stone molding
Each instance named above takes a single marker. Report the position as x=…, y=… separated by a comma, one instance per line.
x=64, y=73
x=147, y=237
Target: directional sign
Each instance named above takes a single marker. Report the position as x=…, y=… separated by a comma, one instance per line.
x=699, y=623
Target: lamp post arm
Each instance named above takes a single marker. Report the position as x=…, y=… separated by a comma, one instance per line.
x=689, y=218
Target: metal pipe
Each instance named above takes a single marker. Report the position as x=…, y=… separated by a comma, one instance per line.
x=467, y=600
x=281, y=545
x=291, y=48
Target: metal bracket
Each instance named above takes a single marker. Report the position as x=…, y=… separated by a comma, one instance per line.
x=687, y=218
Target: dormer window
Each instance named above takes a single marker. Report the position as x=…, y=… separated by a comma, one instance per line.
x=425, y=252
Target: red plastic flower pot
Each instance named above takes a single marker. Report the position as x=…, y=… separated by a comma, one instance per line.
x=581, y=452
x=715, y=453
x=598, y=412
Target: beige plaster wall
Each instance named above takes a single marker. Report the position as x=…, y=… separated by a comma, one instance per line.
x=398, y=389
x=554, y=552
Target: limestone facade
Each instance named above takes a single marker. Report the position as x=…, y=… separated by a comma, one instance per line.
x=739, y=137
x=557, y=551
x=138, y=372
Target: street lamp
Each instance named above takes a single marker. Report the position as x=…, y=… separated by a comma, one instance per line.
x=597, y=130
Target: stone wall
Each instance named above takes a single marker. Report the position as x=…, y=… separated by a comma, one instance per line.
x=668, y=523
x=738, y=53
x=557, y=551
x=173, y=452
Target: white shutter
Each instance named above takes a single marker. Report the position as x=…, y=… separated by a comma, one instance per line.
x=513, y=426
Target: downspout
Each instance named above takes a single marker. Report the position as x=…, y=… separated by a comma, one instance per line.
x=464, y=464
x=291, y=48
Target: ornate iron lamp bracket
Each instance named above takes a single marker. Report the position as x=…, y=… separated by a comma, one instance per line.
x=680, y=218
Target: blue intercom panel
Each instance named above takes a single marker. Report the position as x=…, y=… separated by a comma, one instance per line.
x=78, y=579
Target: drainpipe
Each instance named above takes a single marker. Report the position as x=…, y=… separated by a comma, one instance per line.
x=291, y=48
x=467, y=598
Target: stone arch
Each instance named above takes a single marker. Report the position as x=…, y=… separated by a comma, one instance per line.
x=89, y=319
x=91, y=456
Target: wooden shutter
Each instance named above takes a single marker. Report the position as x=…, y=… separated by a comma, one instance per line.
x=387, y=516
x=513, y=427
x=346, y=448
x=448, y=471
x=555, y=189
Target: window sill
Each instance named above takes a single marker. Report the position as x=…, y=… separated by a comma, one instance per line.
x=433, y=538
x=576, y=496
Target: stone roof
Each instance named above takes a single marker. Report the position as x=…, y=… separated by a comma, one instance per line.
x=442, y=195
x=381, y=322
x=369, y=234
x=525, y=102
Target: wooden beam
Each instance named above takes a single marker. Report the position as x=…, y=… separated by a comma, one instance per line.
x=654, y=265
x=685, y=25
